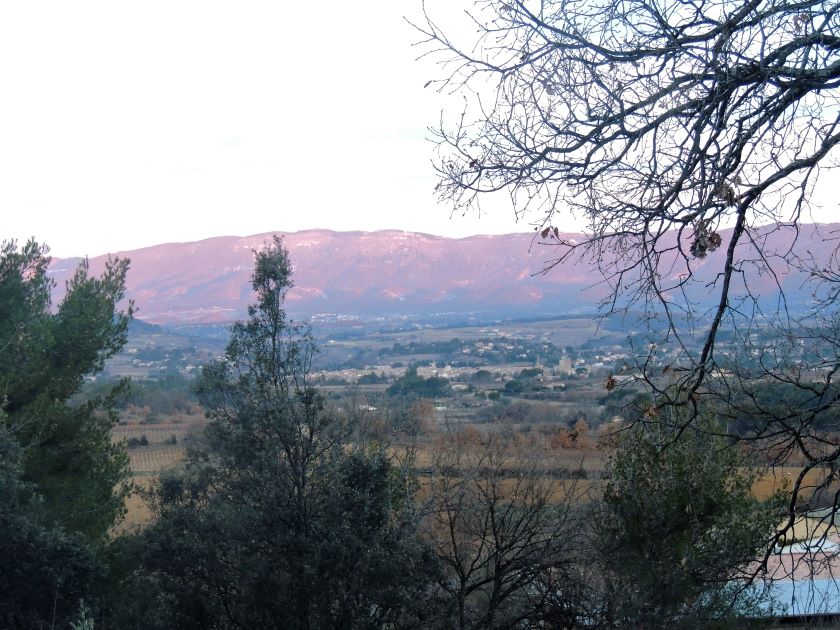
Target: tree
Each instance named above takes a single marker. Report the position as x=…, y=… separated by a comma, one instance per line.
x=678, y=530
x=45, y=569
x=45, y=355
x=514, y=386
x=689, y=138
x=504, y=530
x=278, y=521
x=412, y=385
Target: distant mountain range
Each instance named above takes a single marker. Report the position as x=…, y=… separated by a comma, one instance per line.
x=388, y=273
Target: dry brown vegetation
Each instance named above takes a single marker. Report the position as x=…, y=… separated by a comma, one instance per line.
x=571, y=459
x=166, y=449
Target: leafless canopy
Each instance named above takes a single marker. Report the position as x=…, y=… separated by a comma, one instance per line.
x=673, y=128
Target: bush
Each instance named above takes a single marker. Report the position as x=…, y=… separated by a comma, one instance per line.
x=482, y=375
x=134, y=442
x=677, y=525
x=531, y=372
x=412, y=385
x=514, y=387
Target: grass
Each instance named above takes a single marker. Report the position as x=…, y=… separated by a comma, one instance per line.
x=782, y=479
x=138, y=513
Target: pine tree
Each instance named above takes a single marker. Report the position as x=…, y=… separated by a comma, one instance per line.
x=45, y=355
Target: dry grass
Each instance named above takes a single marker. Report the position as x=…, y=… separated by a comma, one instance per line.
x=782, y=479
x=590, y=461
x=138, y=514
x=147, y=462
x=160, y=453
x=560, y=490
x=153, y=459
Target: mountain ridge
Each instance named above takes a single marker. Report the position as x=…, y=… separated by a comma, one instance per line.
x=382, y=273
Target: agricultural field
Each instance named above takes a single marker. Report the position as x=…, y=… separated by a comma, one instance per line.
x=154, y=448
x=781, y=478
x=571, y=468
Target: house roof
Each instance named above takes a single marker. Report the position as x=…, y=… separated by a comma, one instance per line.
x=802, y=598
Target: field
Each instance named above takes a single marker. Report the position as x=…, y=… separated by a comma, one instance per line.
x=570, y=470
x=575, y=472
x=782, y=478
x=138, y=514
x=162, y=451
x=149, y=461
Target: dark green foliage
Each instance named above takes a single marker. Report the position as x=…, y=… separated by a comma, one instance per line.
x=372, y=379
x=531, y=372
x=349, y=561
x=677, y=526
x=514, y=386
x=277, y=522
x=624, y=402
x=132, y=597
x=134, y=442
x=412, y=385
x=44, y=357
x=754, y=409
x=44, y=569
x=163, y=396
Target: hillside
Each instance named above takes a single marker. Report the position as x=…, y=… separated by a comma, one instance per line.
x=369, y=274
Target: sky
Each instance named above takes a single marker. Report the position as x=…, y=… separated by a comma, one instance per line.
x=127, y=124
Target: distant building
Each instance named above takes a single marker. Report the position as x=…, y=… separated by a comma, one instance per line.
x=565, y=367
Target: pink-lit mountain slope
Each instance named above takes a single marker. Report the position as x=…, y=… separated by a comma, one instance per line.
x=382, y=273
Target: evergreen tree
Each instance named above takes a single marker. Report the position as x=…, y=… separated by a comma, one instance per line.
x=45, y=355
x=278, y=521
x=678, y=529
x=412, y=385
x=45, y=571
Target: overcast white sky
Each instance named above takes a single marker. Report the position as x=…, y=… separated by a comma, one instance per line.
x=125, y=124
